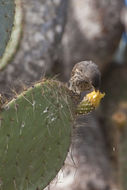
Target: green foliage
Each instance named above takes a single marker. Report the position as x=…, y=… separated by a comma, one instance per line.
x=35, y=133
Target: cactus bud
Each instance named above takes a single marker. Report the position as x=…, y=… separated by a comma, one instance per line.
x=90, y=102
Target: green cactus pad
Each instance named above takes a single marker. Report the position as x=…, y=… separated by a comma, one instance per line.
x=15, y=36
x=7, y=10
x=35, y=132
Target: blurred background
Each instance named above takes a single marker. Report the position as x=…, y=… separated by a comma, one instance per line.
x=56, y=34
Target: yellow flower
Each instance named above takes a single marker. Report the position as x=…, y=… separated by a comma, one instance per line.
x=90, y=102
x=95, y=97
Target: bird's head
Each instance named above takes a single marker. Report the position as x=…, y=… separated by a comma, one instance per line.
x=85, y=76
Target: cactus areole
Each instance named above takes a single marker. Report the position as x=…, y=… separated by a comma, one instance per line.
x=35, y=133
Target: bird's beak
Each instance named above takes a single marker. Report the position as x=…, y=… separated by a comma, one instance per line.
x=83, y=93
x=92, y=88
x=95, y=88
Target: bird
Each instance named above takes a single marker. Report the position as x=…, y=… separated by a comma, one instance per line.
x=85, y=76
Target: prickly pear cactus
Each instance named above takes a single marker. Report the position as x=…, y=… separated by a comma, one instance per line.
x=14, y=37
x=35, y=132
x=7, y=9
